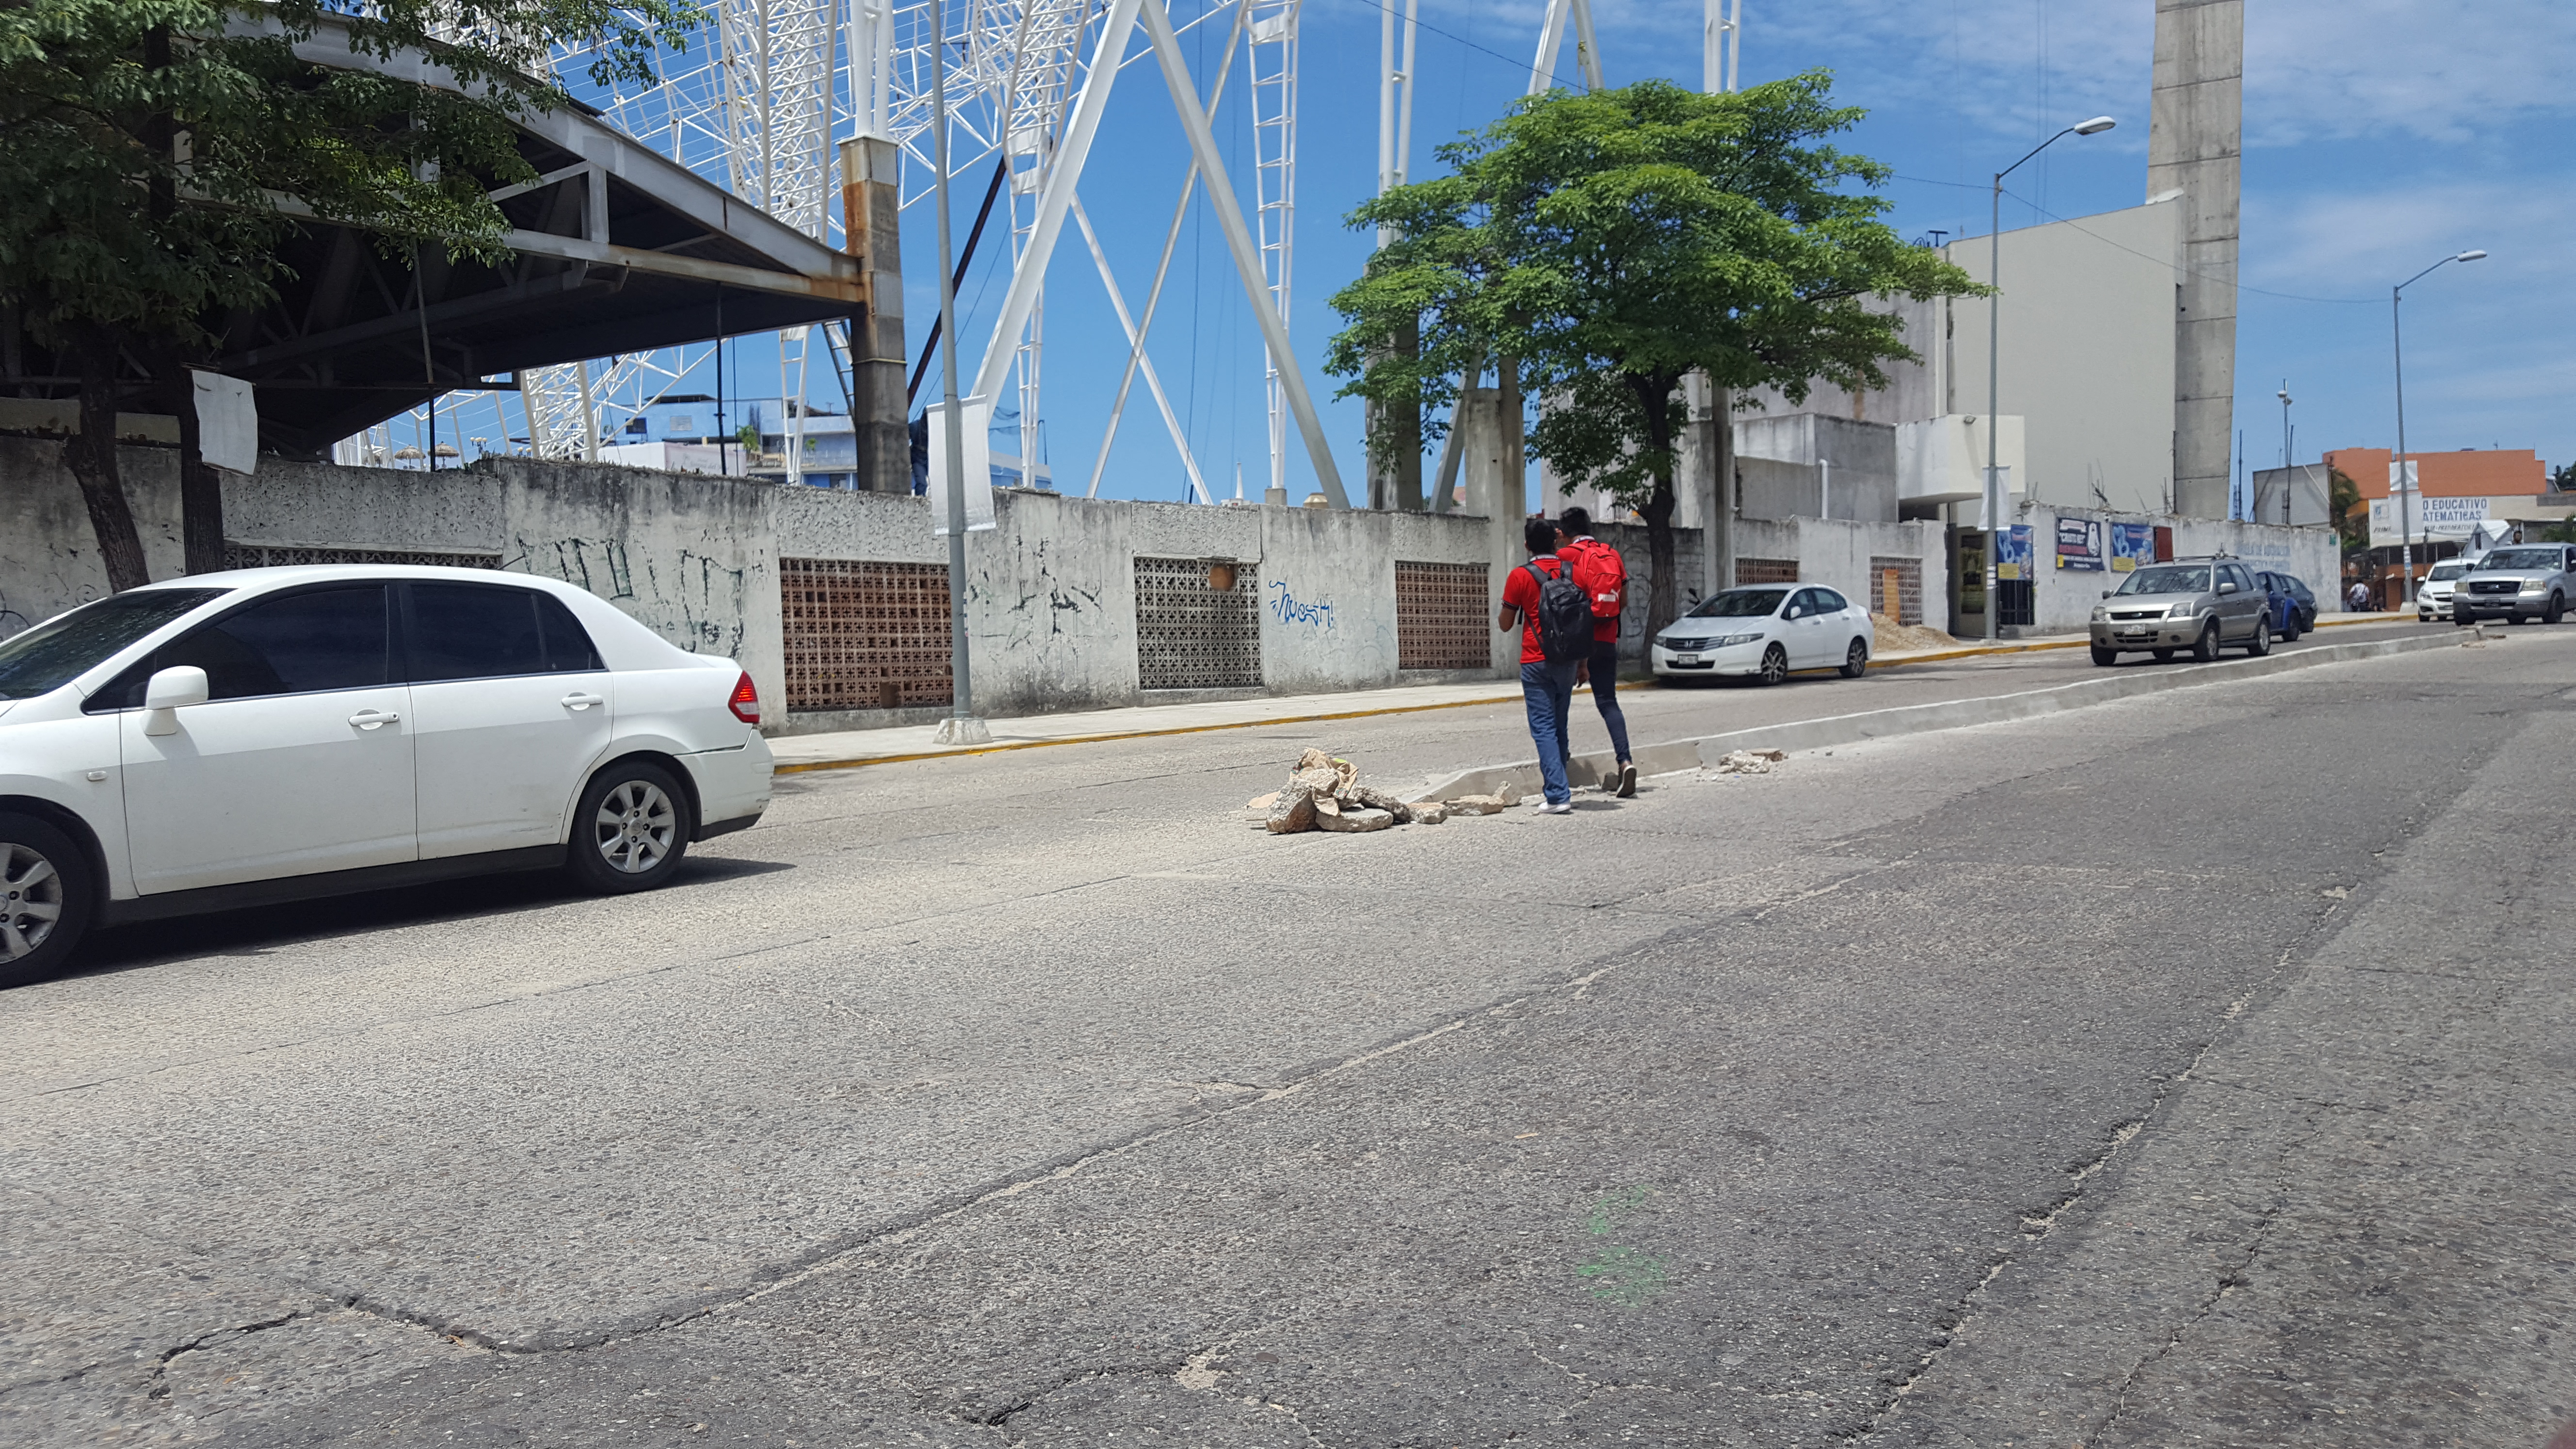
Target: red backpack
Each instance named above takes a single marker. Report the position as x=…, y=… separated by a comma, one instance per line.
x=1600, y=573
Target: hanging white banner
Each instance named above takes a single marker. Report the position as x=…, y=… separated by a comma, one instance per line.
x=978, y=417
x=227, y=422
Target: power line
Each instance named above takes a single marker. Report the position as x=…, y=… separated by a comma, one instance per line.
x=2133, y=251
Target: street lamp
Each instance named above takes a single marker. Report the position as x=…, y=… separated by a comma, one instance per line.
x=2284, y=396
x=1994, y=502
x=2397, y=470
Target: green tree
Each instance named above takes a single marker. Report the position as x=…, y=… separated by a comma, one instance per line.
x=1608, y=245
x=160, y=151
x=2351, y=514
x=2563, y=478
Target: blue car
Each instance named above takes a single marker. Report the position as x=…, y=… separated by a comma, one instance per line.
x=2294, y=605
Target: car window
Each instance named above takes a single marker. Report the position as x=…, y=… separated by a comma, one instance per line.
x=2168, y=579
x=489, y=631
x=2522, y=558
x=309, y=642
x=568, y=646
x=1740, y=604
x=58, y=651
x=1829, y=602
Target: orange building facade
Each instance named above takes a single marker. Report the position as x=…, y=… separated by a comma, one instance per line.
x=2470, y=473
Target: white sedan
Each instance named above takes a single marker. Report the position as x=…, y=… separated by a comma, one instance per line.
x=1765, y=630
x=271, y=735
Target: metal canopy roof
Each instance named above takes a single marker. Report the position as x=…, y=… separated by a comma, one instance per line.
x=617, y=249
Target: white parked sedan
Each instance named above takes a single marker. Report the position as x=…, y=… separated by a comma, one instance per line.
x=271, y=735
x=1765, y=630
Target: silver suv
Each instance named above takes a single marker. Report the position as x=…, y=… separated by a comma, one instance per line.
x=2197, y=604
x=2519, y=581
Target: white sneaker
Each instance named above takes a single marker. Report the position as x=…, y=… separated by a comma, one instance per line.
x=1562, y=807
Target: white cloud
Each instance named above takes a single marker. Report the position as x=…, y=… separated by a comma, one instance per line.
x=2314, y=69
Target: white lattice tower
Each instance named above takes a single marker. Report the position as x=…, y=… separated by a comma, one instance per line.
x=1274, y=149
x=1036, y=85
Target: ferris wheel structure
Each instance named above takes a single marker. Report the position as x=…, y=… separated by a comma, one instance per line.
x=755, y=101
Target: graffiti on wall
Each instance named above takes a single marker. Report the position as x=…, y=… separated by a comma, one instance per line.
x=697, y=602
x=1287, y=608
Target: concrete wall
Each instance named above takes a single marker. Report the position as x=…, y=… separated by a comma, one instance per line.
x=1051, y=598
x=2065, y=598
x=1832, y=552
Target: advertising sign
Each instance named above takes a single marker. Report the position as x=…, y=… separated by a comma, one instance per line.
x=2132, y=544
x=977, y=415
x=2079, y=544
x=2013, y=552
x=2451, y=520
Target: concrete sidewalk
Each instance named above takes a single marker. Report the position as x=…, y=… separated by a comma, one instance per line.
x=847, y=749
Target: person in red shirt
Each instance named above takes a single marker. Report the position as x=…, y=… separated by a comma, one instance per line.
x=1546, y=689
x=1604, y=575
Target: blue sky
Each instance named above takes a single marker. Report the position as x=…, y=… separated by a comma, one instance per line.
x=2379, y=136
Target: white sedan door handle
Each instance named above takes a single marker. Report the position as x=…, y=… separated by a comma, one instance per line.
x=367, y=719
x=578, y=702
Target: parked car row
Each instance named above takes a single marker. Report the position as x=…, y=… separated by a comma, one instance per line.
x=272, y=735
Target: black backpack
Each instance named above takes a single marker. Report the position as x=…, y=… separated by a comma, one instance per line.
x=1563, y=616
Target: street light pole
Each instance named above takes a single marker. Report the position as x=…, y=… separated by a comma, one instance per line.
x=2397, y=474
x=1994, y=500
x=2284, y=395
x=961, y=727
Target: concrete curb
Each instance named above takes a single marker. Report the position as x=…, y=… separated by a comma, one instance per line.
x=2079, y=641
x=1916, y=719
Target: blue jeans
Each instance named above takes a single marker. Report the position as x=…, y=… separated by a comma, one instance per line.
x=1605, y=693
x=1548, y=690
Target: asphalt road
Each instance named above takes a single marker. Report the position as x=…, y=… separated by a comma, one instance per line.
x=2188, y=1069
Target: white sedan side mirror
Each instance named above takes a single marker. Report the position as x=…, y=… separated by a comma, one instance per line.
x=167, y=693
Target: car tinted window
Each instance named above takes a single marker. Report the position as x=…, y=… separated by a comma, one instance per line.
x=568, y=646
x=1740, y=604
x=56, y=652
x=1829, y=602
x=474, y=631
x=2169, y=579
x=300, y=643
x=2522, y=558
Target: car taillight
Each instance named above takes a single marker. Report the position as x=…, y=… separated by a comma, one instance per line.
x=745, y=703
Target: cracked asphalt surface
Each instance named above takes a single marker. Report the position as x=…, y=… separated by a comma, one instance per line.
x=2192, y=1069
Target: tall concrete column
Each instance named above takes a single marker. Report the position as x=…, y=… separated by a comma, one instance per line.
x=871, y=217
x=2195, y=146
x=1491, y=477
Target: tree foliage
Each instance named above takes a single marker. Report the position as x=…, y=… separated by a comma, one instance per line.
x=160, y=151
x=1615, y=242
x=2351, y=514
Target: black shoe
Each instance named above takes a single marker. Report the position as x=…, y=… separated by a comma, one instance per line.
x=1627, y=780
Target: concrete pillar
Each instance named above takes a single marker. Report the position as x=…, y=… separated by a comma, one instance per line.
x=1489, y=473
x=1707, y=483
x=1395, y=481
x=871, y=217
x=2195, y=146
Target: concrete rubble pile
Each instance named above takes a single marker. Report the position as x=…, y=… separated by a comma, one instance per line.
x=1324, y=793
x=1745, y=762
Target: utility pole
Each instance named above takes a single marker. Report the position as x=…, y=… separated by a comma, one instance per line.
x=961, y=727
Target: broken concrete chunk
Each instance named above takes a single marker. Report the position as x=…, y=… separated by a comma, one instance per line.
x=1292, y=811
x=1325, y=807
x=1262, y=802
x=1427, y=813
x=1355, y=821
x=1479, y=805
x=1747, y=762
